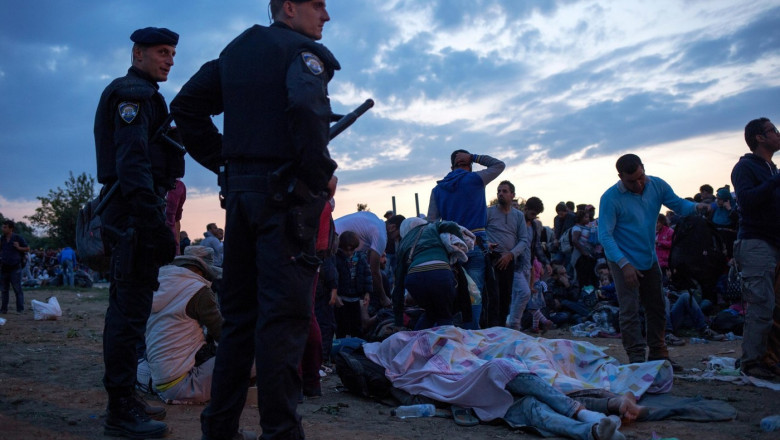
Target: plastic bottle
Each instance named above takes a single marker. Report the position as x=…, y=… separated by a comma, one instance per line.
x=420, y=410
x=699, y=341
x=771, y=423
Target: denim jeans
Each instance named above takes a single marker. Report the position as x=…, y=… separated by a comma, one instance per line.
x=475, y=266
x=684, y=313
x=650, y=296
x=756, y=259
x=521, y=294
x=67, y=273
x=545, y=409
x=8, y=280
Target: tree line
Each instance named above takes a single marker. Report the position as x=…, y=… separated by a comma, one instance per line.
x=56, y=217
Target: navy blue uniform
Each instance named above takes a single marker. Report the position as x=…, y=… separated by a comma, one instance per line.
x=129, y=113
x=271, y=85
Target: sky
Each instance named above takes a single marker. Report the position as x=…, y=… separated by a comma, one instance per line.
x=556, y=89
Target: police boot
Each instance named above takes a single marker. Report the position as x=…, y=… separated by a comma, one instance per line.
x=125, y=417
x=154, y=412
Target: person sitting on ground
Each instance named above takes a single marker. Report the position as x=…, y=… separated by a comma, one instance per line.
x=686, y=313
x=179, y=362
x=355, y=282
x=563, y=299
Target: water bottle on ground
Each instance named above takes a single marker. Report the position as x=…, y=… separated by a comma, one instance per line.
x=409, y=411
x=699, y=341
x=771, y=423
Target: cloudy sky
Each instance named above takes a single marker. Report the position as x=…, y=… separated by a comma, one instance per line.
x=557, y=89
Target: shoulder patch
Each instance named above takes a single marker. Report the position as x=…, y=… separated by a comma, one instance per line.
x=128, y=111
x=313, y=63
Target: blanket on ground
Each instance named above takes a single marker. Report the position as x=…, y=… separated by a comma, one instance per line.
x=471, y=368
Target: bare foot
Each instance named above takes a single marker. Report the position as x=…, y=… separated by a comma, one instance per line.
x=626, y=407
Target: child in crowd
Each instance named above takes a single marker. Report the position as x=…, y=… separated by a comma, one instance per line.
x=355, y=284
x=535, y=305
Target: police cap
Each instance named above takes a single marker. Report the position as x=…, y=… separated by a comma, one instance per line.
x=151, y=36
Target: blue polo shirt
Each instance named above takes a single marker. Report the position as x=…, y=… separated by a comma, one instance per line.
x=8, y=253
x=627, y=221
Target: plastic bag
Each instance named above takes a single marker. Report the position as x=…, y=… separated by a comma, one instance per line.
x=46, y=311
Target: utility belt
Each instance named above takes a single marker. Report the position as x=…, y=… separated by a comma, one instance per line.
x=160, y=189
x=286, y=193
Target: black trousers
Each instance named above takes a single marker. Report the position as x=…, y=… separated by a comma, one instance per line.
x=131, y=289
x=266, y=301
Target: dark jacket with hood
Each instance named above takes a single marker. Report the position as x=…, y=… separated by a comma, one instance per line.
x=757, y=184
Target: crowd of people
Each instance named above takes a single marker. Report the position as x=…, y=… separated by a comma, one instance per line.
x=262, y=301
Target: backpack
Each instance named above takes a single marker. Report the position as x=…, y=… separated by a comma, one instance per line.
x=90, y=248
x=728, y=320
x=360, y=375
x=697, y=252
x=565, y=245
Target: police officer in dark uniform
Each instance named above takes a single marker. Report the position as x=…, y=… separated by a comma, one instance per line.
x=134, y=158
x=271, y=84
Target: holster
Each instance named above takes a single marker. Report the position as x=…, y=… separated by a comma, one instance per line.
x=124, y=255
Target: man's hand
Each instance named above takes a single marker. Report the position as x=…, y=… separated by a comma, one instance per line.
x=503, y=262
x=334, y=298
x=462, y=160
x=631, y=276
x=385, y=302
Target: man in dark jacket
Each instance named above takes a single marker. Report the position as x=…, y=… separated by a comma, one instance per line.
x=12, y=252
x=133, y=159
x=271, y=84
x=757, y=249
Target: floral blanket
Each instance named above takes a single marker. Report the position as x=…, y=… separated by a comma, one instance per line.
x=470, y=368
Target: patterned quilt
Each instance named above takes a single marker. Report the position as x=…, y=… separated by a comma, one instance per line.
x=471, y=368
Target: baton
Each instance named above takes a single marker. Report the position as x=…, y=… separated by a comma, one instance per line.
x=345, y=121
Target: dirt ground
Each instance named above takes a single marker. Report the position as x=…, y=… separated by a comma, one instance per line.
x=50, y=388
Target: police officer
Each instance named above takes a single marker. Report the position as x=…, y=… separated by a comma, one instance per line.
x=133, y=157
x=271, y=84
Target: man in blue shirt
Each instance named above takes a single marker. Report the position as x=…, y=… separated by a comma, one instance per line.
x=629, y=210
x=757, y=249
x=68, y=265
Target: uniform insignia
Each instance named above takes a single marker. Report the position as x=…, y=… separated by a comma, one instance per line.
x=128, y=111
x=312, y=62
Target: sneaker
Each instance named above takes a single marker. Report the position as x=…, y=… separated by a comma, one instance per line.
x=711, y=335
x=126, y=418
x=673, y=341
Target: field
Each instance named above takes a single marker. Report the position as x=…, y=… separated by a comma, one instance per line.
x=50, y=388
